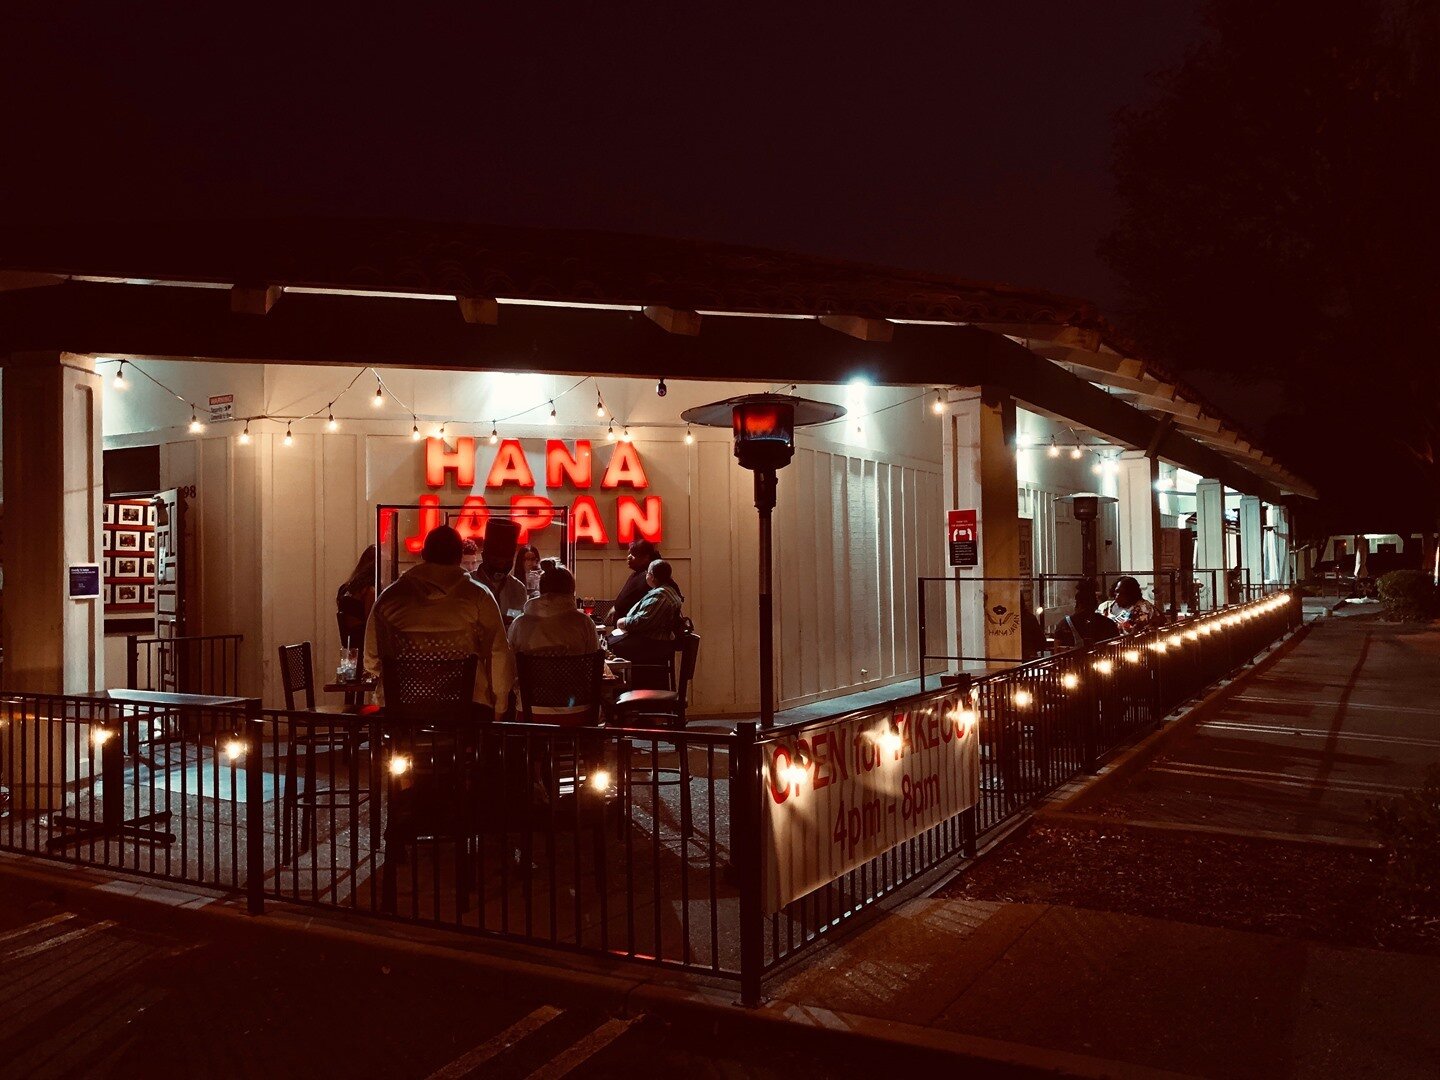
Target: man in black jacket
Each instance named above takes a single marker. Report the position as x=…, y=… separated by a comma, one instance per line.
x=642, y=554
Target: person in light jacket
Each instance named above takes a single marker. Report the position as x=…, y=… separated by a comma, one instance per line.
x=436, y=605
x=551, y=624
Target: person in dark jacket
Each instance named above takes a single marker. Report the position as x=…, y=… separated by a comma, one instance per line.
x=355, y=598
x=1086, y=626
x=642, y=554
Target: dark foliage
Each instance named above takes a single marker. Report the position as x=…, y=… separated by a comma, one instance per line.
x=1278, y=221
x=1410, y=828
x=1408, y=596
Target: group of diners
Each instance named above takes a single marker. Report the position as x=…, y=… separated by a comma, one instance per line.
x=499, y=598
x=1124, y=614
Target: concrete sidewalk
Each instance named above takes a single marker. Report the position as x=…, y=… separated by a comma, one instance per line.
x=1348, y=716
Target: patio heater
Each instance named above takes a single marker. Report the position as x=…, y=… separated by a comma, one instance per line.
x=1085, y=505
x=764, y=427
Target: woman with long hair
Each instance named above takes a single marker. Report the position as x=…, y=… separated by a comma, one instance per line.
x=355, y=598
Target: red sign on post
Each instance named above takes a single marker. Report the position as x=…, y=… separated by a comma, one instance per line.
x=964, y=537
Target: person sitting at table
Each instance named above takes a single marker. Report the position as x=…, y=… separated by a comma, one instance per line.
x=552, y=625
x=1085, y=626
x=469, y=556
x=646, y=636
x=642, y=553
x=497, y=559
x=355, y=598
x=527, y=569
x=1128, y=609
x=434, y=603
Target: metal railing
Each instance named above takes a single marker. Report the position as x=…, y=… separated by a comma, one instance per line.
x=204, y=664
x=640, y=844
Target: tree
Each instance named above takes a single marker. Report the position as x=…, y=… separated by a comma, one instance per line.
x=1278, y=218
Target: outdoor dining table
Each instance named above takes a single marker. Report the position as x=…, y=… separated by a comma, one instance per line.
x=151, y=827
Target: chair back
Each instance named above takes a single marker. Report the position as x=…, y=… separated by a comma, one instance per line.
x=297, y=675
x=571, y=683
x=689, y=643
x=429, y=689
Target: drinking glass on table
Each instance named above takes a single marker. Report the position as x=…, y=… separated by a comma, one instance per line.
x=349, y=663
x=588, y=606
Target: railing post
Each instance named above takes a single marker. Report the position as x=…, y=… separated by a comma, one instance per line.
x=1090, y=706
x=254, y=809
x=745, y=814
x=924, y=644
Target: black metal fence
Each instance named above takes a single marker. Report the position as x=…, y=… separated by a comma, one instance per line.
x=641, y=844
x=204, y=664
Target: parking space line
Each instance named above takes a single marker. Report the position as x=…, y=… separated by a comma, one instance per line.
x=55, y=942
x=30, y=928
x=473, y=1058
x=578, y=1053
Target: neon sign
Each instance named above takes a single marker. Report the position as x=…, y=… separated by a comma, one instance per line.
x=636, y=517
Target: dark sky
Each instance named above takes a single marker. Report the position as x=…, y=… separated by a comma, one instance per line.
x=958, y=137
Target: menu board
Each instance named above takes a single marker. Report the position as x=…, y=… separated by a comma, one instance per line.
x=128, y=566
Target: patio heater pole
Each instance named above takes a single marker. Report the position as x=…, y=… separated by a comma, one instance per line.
x=766, y=482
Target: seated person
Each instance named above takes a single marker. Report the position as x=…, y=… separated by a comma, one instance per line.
x=1085, y=627
x=647, y=635
x=436, y=605
x=641, y=554
x=552, y=625
x=1128, y=609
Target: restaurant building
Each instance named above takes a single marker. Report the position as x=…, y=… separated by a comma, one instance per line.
x=285, y=383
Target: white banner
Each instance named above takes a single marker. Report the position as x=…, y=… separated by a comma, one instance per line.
x=837, y=795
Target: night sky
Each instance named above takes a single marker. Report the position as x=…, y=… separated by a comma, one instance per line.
x=957, y=137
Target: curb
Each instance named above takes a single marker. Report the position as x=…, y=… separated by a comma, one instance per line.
x=687, y=1005
x=1074, y=820
x=1145, y=751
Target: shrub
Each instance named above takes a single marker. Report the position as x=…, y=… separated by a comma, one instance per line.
x=1408, y=595
x=1410, y=828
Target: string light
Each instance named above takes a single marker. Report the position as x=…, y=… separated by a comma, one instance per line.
x=1023, y=698
x=599, y=403
x=689, y=438
x=610, y=432
x=195, y=426
x=415, y=430
x=332, y=424
x=553, y=417
x=244, y=439
x=939, y=406
x=494, y=433
x=120, y=381
x=1070, y=681
x=1054, y=450
x=289, y=439
x=379, y=398
x=625, y=434
x=1076, y=453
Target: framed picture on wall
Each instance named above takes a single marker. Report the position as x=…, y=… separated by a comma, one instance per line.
x=127, y=566
x=149, y=541
x=107, y=513
x=149, y=594
x=148, y=569
x=150, y=515
x=127, y=594
x=107, y=567
x=126, y=540
x=109, y=594
x=130, y=514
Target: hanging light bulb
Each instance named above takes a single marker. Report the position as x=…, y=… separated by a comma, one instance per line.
x=625, y=435
x=245, y=435
x=289, y=439
x=610, y=432
x=1054, y=450
x=599, y=404
x=1096, y=469
x=331, y=424
x=689, y=438
x=494, y=433
x=379, y=398
x=440, y=432
x=939, y=406
x=195, y=426
x=121, y=383
x=414, y=430
x=553, y=418
x=1076, y=453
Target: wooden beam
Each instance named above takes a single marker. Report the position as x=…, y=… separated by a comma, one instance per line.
x=1047, y=333
x=253, y=299
x=1166, y=404
x=860, y=328
x=673, y=320
x=1102, y=360
x=479, y=310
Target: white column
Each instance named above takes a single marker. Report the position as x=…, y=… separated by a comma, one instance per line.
x=1210, y=540
x=981, y=475
x=1252, y=533
x=1139, y=509
x=53, y=491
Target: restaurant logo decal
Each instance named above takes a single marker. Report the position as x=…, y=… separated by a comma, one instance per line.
x=565, y=470
x=835, y=797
